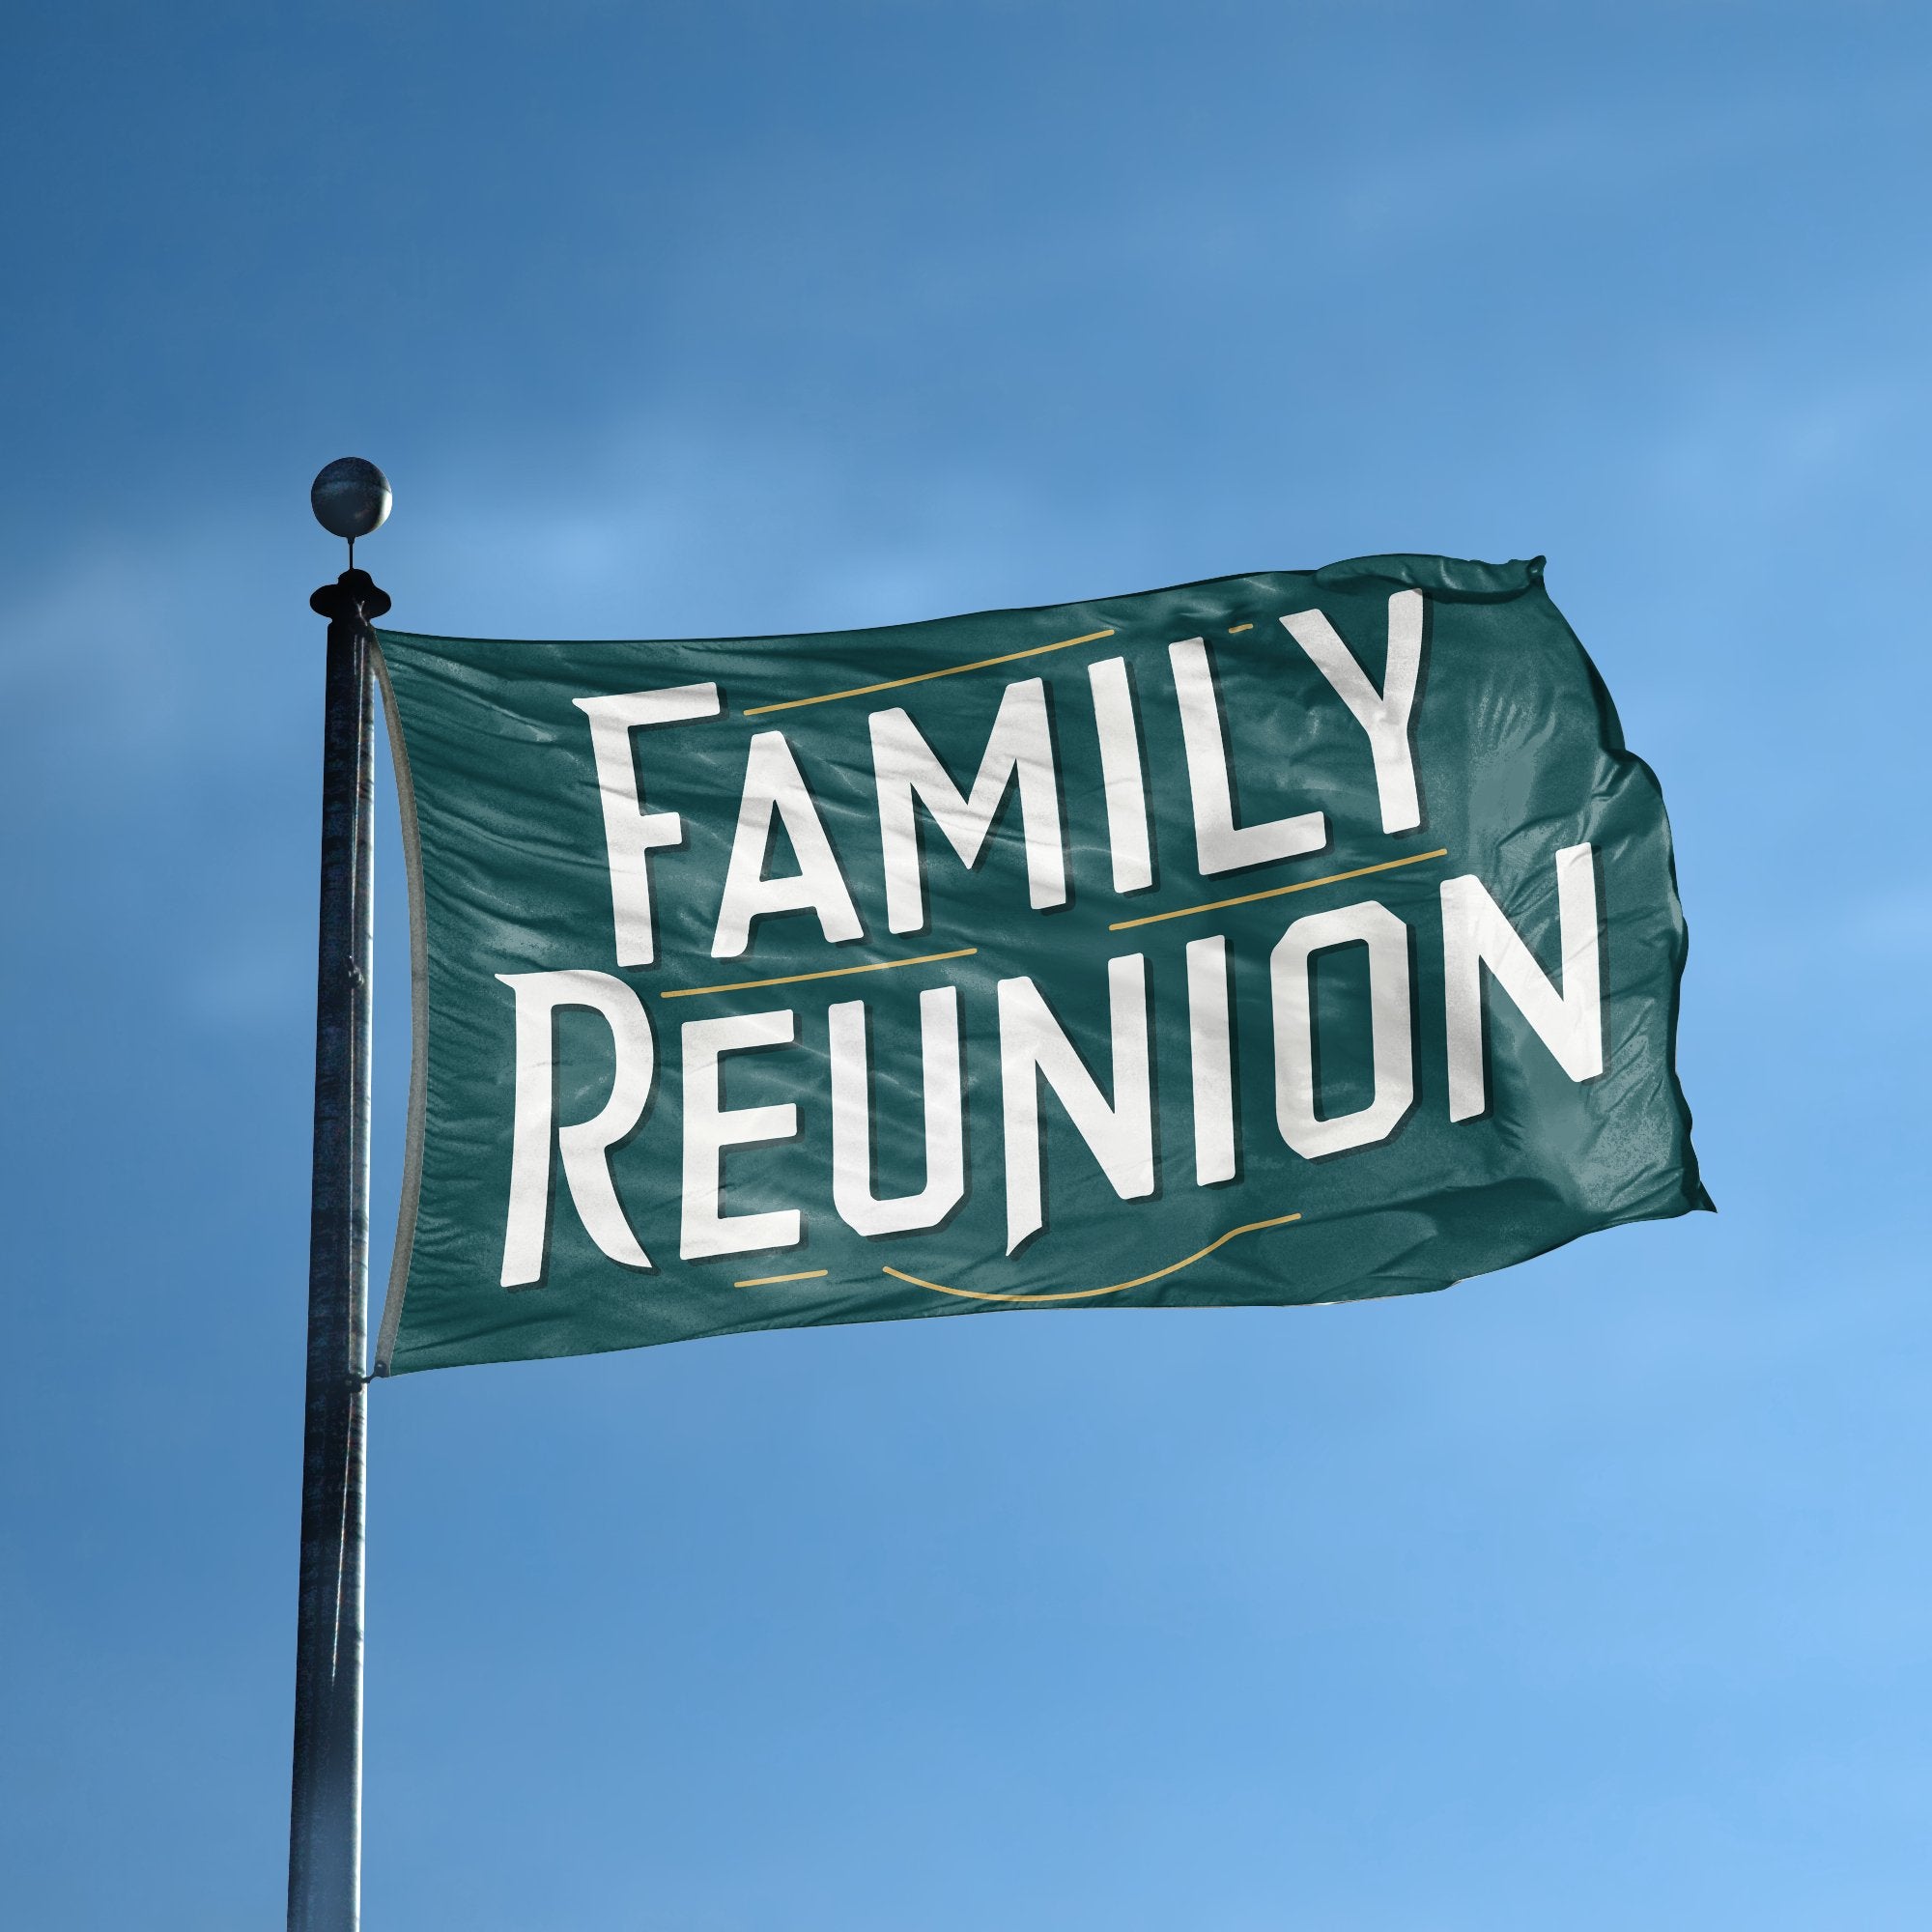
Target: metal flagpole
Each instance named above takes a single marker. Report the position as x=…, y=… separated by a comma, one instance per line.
x=350, y=499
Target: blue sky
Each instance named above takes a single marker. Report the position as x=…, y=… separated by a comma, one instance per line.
x=1591, y=1594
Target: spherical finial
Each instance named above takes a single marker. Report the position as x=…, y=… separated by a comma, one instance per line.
x=350, y=497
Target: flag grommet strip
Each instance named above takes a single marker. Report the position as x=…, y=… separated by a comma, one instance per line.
x=419, y=995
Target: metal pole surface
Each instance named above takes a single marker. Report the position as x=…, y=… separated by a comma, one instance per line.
x=326, y=1816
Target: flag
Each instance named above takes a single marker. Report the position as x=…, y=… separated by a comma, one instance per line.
x=1290, y=938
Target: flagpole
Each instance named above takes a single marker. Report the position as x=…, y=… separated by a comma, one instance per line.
x=351, y=497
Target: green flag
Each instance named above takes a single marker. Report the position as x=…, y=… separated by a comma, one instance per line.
x=1299, y=937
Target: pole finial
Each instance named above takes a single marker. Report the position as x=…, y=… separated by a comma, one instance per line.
x=349, y=497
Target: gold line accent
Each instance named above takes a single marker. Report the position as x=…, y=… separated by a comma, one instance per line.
x=771, y=1280
x=830, y=973
x=1234, y=628
x=919, y=678
x=1275, y=891
x=1088, y=1294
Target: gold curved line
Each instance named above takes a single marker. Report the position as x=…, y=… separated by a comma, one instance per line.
x=1087, y=1294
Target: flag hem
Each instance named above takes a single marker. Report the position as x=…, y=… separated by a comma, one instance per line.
x=413, y=1145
